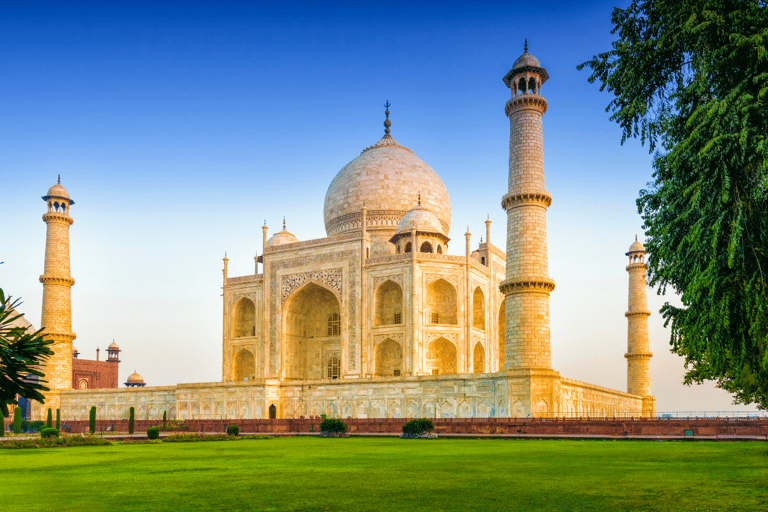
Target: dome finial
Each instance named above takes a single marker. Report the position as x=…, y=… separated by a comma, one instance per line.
x=283, y=221
x=419, y=197
x=59, y=180
x=387, y=122
x=526, y=45
x=635, y=238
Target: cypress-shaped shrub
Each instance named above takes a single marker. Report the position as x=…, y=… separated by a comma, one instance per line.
x=130, y=422
x=49, y=419
x=233, y=430
x=49, y=432
x=333, y=426
x=2, y=424
x=164, y=417
x=153, y=432
x=58, y=419
x=17, y=420
x=92, y=420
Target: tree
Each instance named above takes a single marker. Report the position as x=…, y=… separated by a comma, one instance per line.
x=58, y=419
x=691, y=79
x=49, y=419
x=131, y=421
x=2, y=424
x=17, y=421
x=92, y=419
x=21, y=355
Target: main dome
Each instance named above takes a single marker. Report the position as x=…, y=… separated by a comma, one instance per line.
x=386, y=179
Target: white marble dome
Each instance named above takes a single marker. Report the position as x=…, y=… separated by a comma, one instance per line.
x=387, y=179
x=421, y=220
x=281, y=238
x=636, y=247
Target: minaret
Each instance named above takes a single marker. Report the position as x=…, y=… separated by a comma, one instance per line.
x=527, y=285
x=638, y=350
x=57, y=310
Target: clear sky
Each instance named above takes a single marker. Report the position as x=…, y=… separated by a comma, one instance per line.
x=179, y=128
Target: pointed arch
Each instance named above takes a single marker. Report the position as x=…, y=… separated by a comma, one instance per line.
x=441, y=357
x=244, y=368
x=244, y=318
x=311, y=334
x=478, y=359
x=389, y=359
x=441, y=303
x=388, y=304
x=426, y=247
x=478, y=309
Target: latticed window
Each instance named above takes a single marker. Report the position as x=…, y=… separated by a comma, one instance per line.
x=334, y=368
x=435, y=318
x=397, y=373
x=398, y=318
x=334, y=324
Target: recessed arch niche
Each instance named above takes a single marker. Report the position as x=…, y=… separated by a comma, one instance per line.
x=502, y=332
x=389, y=304
x=441, y=302
x=441, y=357
x=244, y=318
x=310, y=338
x=478, y=309
x=244, y=366
x=389, y=359
x=478, y=359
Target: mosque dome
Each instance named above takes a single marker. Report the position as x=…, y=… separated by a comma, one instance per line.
x=419, y=219
x=636, y=247
x=135, y=378
x=386, y=179
x=282, y=237
x=113, y=346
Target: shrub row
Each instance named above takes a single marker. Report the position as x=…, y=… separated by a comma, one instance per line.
x=54, y=442
x=416, y=428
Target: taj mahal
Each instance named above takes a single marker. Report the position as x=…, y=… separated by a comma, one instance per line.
x=376, y=319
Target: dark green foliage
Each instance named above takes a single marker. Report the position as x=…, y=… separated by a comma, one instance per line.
x=233, y=430
x=17, y=421
x=153, y=432
x=174, y=426
x=2, y=425
x=333, y=426
x=418, y=427
x=92, y=420
x=49, y=432
x=49, y=419
x=32, y=426
x=691, y=79
x=21, y=354
x=54, y=442
x=58, y=419
x=130, y=421
x=164, y=418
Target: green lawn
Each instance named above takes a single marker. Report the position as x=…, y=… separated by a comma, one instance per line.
x=355, y=474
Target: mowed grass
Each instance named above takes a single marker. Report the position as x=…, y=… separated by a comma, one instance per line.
x=361, y=474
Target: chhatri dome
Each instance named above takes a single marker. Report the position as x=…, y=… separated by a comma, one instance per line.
x=282, y=237
x=636, y=247
x=385, y=179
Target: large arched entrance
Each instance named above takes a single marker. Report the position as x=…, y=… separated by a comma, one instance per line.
x=312, y=334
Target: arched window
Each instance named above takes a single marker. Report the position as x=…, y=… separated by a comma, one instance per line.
x=333, y=368
x=334, y=324
x=479, y=359
x=521, y=86
x=532, y=85
x=439, y=249
x=407, y=247
x=244, y=319
x=441, y=302
x=426, y=247
x=441, y=357
x=389, y=304
x=389, y=359
x=478, y=309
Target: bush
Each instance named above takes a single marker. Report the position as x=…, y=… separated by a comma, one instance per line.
x=32, y=426
x=49, y=419
x=333, y=426
x=165, y=417
x=174, y=426
x=49, y=432
x=58, y=419
x=416, y=428
x=92, y=420
x=130, y=422
x=233, y=430
x=54, y=442
x=2, y=424
x=153, y=432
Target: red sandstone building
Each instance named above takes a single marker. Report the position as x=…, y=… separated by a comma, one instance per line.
x=89, y=374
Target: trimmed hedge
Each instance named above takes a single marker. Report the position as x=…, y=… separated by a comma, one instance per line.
x=54, y=442
x=130, y=422
x=92, y=420
x=58, y=419
x=17, y=420
x=153, y=432
x=233, y=430
x=49, y=432
x=333, y=426
x=49, y=419
x=415, y=428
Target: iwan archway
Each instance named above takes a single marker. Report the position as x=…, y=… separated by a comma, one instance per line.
x=311, y=337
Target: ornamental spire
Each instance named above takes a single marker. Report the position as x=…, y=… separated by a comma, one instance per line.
x=526, y=45
x=387, y=122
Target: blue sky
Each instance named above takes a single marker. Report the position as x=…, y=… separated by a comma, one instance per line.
x=179, y=128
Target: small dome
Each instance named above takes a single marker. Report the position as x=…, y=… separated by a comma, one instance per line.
x=526, y=59
x=113, y=346
x=636, y=247
x=135, y=378
x=58, y=191
x=420, y=219
x=281, y=237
